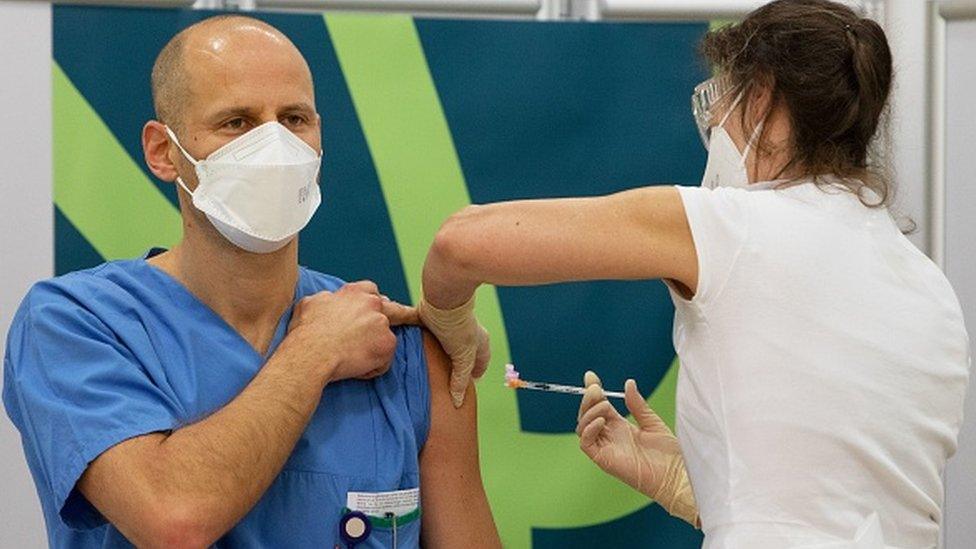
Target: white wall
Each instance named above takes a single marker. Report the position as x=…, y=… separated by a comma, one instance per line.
x=960, y=259
x=26, y=224
x=905, y=26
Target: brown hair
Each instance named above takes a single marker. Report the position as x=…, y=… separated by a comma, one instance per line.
x=831, y=69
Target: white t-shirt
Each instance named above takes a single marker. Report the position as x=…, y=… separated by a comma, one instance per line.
x=824, y=365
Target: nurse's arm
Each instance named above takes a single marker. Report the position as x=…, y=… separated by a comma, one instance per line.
x=637, y=234
x=455, y=506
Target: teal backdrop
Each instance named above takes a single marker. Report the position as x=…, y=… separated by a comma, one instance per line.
x=421, y=117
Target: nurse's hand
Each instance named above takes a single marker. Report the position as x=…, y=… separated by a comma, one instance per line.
x=345, y=334
x=463, y=338
x=646, y=456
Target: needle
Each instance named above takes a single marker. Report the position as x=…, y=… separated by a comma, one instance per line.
x=513, y=380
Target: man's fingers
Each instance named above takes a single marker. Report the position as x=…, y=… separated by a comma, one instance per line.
x=592, y=395
x=373, y=373
x=296, y=311
x=367, y=286
x=311, y=297
x=591, y=434
x=601, y=409
x=400, y=314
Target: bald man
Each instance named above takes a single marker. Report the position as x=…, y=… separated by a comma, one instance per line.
x=217, y=392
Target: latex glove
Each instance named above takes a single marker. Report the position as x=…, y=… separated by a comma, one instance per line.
x=646, y=456
x=462, y=338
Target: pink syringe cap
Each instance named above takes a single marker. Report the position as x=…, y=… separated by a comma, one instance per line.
x=511, y=375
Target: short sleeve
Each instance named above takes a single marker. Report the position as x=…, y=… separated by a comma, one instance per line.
x=73, y=391
x=410, y=354
x=719, y=220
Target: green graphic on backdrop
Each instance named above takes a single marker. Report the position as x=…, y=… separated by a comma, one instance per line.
x=537, y=481
x=387, y=74
x=97, y=185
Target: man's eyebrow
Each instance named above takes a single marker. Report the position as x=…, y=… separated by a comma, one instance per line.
x=298, y=107
x=231, y=112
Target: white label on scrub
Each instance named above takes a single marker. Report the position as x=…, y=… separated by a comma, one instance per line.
x=379, y=504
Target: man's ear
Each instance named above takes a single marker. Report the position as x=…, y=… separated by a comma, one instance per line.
x=156, y=148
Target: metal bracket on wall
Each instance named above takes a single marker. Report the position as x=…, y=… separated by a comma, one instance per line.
x=554, y=10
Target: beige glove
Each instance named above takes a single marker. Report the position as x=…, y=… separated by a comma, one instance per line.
x=646, y=456
x=462, y=338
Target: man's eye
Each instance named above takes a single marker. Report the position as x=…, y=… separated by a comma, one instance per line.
x=294, y=120
x=234, y=124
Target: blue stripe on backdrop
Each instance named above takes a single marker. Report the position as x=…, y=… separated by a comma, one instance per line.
x=72, y=250
x=648, y=528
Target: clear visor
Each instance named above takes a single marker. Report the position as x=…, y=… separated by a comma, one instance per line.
x=704, y=99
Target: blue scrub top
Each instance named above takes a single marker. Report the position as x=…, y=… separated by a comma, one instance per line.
x=103, y=355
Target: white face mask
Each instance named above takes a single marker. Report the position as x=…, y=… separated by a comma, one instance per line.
x=258, y=190
x=726, y=166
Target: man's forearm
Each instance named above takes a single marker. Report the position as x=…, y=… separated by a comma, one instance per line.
x=211, y=473
x=227, y=461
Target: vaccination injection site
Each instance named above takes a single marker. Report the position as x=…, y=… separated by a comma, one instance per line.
x=465, y=274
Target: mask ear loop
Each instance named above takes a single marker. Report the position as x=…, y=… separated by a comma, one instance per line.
x=185, y=155
x=728, y=113
x=752, y=140
x=755, y=132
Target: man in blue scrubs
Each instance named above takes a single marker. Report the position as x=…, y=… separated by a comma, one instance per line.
x=218, y=393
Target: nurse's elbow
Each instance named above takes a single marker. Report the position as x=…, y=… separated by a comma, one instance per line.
x=452, y=243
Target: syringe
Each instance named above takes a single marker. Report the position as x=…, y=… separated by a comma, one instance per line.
x=513, y=380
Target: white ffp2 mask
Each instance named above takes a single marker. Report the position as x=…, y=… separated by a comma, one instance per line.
x=258, y=190
x=726, y=166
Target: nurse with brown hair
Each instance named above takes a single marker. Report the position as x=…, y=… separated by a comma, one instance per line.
x=824, y=359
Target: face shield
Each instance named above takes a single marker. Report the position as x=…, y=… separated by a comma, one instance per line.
x=704, y=100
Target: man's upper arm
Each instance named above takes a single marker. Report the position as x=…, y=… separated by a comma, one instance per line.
x=455, y=507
